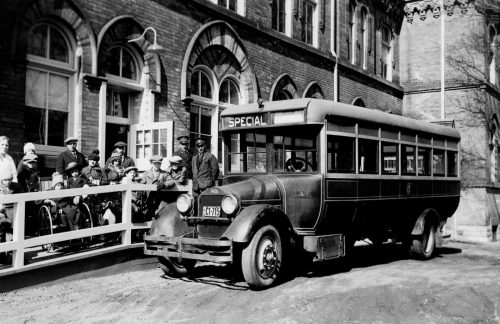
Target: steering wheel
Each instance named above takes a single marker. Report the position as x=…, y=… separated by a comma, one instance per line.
x=297, y=165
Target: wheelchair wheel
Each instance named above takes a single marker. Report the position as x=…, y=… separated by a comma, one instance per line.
x=45, y=226
x=85, y=220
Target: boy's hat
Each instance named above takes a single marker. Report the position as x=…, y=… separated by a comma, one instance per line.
x=130, y=168
x=72, y=165
x=120, y=143
x=94, y=155
x=115, y=156
x=70, y=139
x=57, y=178
x=5, y=174
x=175, y=159
x=156, y=158
x=30, y=157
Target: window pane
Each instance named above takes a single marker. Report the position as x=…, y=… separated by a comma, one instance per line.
x=452, y=164
x=34, y=125
x=390, y=158
x=156, y=149
x=206, y=87
x=140, y=152
x=117, y=104
x=424, y=161
x=438, y=162
x=232, y=5
x=113, y=61
x=234, y=92
x=147, y=137
x=58, y=92
x=58, y=127
x=147, y=151
x=129, y=69
x=37, y=41
x=195, y=83
x=206, y=121
x=341, y=154
x=139, y=139
x=407, y=159
x=368, y=156
x=224, y=92
x=163, y=149
x=156, y=135
x=58, y=47
x=36, y=88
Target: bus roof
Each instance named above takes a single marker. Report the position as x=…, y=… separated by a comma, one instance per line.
x=319, y=109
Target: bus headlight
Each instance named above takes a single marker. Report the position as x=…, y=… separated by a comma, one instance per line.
x=185, y=203
x=230, y=204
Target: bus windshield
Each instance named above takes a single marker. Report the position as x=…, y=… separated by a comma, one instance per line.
x=272, y=150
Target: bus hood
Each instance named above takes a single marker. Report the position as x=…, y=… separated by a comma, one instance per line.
x=260, y=189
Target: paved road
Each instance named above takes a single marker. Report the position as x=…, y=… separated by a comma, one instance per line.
x=461, y=285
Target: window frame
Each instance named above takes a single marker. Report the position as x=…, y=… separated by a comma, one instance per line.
x=387, y=58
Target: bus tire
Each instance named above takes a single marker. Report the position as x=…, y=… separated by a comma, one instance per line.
x=173, y=268
x=262, y=258
x=423, y=246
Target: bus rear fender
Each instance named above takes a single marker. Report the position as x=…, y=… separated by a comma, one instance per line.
x=252, y=218
x=428, y=215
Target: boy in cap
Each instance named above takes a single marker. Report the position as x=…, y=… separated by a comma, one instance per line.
x=186, y=154
x=70, y=155
x=130, y=175
x=62, y=206
x=93, y=172
x=175, y=173
x=28, y=174
x=120, y=149
x=205, y=168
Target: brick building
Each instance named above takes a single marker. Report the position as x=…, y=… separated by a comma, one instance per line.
x=449, y=70
x=68, y=68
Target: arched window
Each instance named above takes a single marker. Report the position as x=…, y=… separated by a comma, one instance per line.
x=122, y=63
x=352, y=31
x=284, y=89
x=358, y=102
x=229, y=92
x=314, y=91
x=201, y=85
x=49, y=76
x=364, y=37
x=493, y=53
x=387, y=53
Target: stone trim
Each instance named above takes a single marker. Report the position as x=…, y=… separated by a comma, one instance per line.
x=421, y=8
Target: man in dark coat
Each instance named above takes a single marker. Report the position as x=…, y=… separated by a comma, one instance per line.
x=205, y=168
x=126, y=161
x=186, y=153
x=70, y=155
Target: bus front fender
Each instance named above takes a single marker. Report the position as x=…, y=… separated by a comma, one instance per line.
x=250, y=219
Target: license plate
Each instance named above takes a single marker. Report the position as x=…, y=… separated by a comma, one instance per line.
x=211, y=211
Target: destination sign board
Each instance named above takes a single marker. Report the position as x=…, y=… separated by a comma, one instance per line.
x=264, y=119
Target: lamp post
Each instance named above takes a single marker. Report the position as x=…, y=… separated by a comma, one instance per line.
x=154, y=48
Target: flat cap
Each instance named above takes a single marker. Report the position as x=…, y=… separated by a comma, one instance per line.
x=71, y=166
x=70, y=139
x=156, y=158
x=120, y=143
x=175, y=159
x=115, y=156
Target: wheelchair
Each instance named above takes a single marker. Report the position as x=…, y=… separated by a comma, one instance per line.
x=50, y=222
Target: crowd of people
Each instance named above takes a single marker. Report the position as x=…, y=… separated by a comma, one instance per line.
x=74, y=170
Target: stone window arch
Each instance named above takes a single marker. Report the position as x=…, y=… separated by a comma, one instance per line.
x=284, y=88
x=313, y=90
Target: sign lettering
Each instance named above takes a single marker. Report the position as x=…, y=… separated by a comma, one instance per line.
x=245, y=121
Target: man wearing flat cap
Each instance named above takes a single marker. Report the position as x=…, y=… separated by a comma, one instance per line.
x=126, y=161
x=186, y=153
x=70, y=155
x=205, y=168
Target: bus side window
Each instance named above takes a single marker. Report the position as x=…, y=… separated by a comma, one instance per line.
x=341, y=154
x=438, y=162
x=390, y=158
x=424, y=161
x=408, y=159
x=368, y=156
x=452, y=163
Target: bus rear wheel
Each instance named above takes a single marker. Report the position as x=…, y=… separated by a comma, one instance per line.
x=423, y=246
x=262, y=259
x=174, y=268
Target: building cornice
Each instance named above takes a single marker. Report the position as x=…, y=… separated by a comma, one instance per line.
x=420, y=8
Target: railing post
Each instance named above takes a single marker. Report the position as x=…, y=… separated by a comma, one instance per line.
x=127, y=216
x=18, y=234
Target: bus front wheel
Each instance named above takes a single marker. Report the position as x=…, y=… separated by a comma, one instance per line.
x=423, y=246
x=262, y=259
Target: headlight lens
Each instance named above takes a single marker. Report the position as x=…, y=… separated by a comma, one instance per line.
x=185, y=203
x=229, y=204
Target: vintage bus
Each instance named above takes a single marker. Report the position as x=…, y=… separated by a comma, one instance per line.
x=311, y=177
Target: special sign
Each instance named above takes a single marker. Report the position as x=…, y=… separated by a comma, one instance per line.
x=245, y=121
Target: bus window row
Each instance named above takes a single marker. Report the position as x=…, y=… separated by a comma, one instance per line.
x=415, y=160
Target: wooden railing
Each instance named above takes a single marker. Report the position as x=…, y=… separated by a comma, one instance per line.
x=20, y=244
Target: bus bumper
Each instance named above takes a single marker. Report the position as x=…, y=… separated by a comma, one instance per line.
x=189, y=248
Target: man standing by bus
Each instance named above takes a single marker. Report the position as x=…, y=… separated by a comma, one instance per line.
x=186, y=153
x=205, y=168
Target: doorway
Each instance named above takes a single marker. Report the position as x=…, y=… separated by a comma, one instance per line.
x=115, y=133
